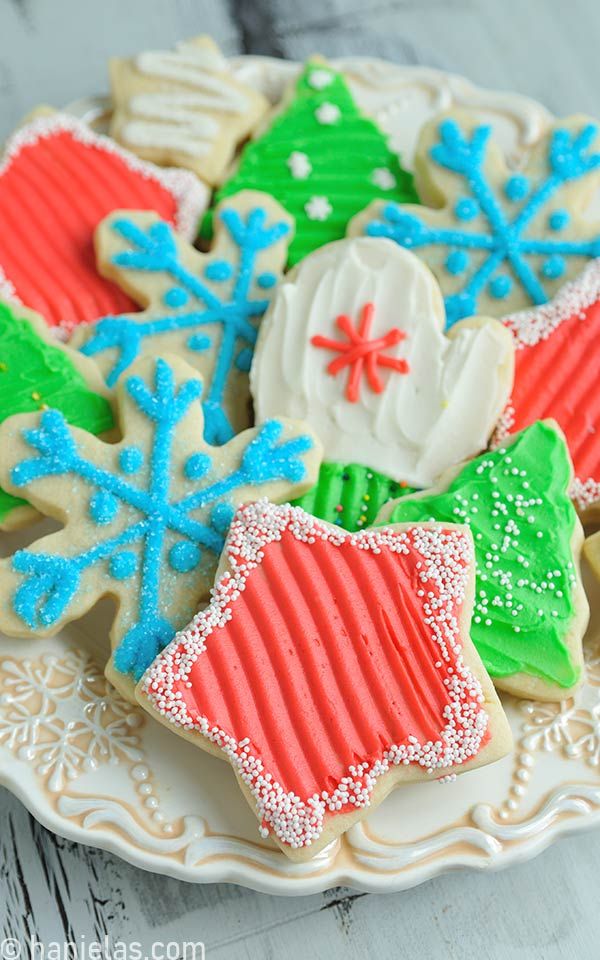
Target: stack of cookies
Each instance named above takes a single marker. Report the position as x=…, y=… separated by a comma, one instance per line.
x=326, y=428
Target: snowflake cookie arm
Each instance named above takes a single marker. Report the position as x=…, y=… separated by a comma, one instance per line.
x=144, y=520
x=204, y=307
x=500, y=240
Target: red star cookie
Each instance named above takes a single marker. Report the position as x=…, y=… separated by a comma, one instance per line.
x=58, y=179
x=557, y=359
x=329, y=667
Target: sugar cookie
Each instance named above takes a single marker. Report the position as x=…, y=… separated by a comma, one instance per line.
x=530, y=609
x=344, y=669
x=353, y=343
x=501, y=240
x=144, y=519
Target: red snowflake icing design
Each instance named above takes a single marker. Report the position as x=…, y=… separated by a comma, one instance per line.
x=361, y=354
x=324, y=660
x=556, y=375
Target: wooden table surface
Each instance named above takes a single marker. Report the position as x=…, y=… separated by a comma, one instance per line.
x=52, y=890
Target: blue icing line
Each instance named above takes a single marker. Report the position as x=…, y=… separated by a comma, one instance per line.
x=192, y=304
x=199, y=520
x=243, y=361
x=503, y=237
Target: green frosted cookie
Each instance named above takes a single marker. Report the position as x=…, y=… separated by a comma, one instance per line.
x=530, y=611
x=350, y=495
x=322, y=160
x=37, y=372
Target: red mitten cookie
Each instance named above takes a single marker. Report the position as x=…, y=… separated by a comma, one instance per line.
x=58, y=179
x=557, y=359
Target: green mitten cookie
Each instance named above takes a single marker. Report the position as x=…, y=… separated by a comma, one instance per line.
x=350, y=495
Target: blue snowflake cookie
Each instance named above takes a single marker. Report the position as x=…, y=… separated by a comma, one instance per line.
x=203, y=307
x=145, y=519
x=500, y=240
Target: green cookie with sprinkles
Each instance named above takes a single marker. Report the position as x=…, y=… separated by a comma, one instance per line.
x=530, y=609
x=322, y=159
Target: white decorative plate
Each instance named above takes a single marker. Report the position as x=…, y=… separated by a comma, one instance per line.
x=96, y=770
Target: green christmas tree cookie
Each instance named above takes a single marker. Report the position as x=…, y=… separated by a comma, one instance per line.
x=37, y=371
x=530, y=610
x=350, y=495
x=322, y=160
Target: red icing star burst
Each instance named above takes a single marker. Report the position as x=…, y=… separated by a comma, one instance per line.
x=324, y=661
x=361, y=354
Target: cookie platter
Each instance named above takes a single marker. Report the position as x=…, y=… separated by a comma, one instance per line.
x=96, y=769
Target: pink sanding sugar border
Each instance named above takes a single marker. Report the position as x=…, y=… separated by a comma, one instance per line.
x=447, y=557
x=189, y=192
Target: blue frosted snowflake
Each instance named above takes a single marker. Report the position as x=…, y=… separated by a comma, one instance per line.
x=161, y=515
x=505, y=212
x=192, y=304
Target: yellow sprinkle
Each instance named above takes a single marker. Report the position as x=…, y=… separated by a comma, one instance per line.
x=367, y=497
x=444, y=404
x=36, y=396
x=3, y=366
x=363, y=518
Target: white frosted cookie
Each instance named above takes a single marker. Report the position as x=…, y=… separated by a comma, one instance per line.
x=183, y=107
x=354, y=344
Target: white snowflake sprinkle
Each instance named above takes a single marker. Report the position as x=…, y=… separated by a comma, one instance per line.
x=318, y=208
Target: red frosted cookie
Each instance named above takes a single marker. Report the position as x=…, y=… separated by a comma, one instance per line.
x=330, y=667
x=58, y=179
x=557, y=360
